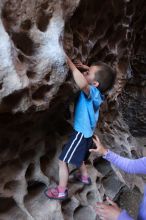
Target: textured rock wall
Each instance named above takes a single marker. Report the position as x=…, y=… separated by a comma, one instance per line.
x=33, y=64
x=37, y=95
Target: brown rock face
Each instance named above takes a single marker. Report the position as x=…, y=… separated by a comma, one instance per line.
x=37, y=95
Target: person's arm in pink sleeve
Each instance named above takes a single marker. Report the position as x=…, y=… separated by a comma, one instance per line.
x=136, y=166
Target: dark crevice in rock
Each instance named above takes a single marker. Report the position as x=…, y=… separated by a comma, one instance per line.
x=23, y=42
x=43, y=21
x=6, y=204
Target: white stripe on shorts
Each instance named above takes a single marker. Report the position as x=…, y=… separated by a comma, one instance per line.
x=71, y=146
x=75, y=148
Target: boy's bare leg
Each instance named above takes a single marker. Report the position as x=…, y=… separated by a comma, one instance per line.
x=63, y=175
x=83, y=170
x=60, y=192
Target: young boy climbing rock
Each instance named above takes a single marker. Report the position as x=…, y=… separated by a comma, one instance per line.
x=93, y=82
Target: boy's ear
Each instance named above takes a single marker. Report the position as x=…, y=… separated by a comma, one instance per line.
x=96, y=83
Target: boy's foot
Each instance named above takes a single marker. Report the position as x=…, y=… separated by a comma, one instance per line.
x=55, y=194
x=79, y=178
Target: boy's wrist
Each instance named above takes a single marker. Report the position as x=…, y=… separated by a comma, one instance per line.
x=104, y=152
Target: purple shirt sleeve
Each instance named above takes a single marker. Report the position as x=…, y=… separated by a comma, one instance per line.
x=124, y=216
x=136, y=166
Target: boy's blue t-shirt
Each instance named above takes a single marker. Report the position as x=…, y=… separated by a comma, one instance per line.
x=87, y=111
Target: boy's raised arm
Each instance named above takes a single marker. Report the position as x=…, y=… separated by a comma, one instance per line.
x=78, y=77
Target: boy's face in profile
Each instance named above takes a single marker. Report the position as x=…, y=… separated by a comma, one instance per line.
x=90, y=75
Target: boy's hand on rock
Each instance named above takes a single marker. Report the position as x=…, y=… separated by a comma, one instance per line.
x=80, y=65
x=100, y=149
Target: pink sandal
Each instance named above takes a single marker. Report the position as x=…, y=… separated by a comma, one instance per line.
x=55, y=194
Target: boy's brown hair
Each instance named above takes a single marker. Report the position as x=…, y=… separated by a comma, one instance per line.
x=105, y=76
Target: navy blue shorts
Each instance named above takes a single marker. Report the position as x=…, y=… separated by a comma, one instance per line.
x=76, y=150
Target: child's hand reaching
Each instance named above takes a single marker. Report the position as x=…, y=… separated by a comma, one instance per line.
x=80, y=65
x=100, y=149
